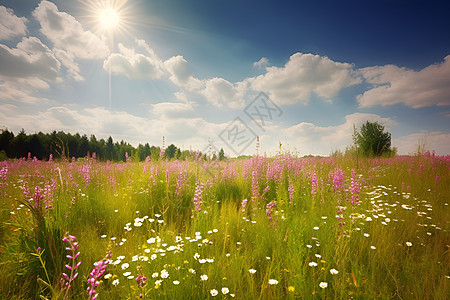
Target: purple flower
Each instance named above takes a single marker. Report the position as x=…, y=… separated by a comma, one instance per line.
x=72, y=266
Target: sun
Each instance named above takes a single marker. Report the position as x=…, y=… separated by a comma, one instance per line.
x=108, y=18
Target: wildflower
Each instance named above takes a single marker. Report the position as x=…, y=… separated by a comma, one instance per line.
x=140, y=279
x=252, y=271
x=225, y=290
x=318, y=255
x=72, y=256
x=214, y=292
x=203, y=277
x=409, y=244
x=198, y=195
x=373, y=247
x=291, y=288
x=126, y=274
x=291, y=191
x=316, y=228
x=334, y=271
x=157, y=284
x=164, y=274
x=314, y=183
x=255, y=187
x=243, y=204
x=97, y=272
x=273, y=281
x=176, y=282
x=115, y=282
x=269, y=208
x=125, y=266
x=312, y=264
x=366, y=234
x=323, y=285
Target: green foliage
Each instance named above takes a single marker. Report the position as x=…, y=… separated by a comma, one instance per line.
x=66, y=146
x=3, y=156
x=373, y=140
x=144, y=214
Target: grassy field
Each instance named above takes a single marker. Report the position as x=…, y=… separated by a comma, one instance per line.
x=261, y=228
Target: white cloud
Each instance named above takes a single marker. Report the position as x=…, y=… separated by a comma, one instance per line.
x=10, y=24
x=181, y=74
x=392, y=85
x=171, y=109
x=134, y=65
x=68, y=61
x=30, y=58
x=21, y=90
x=103, y=123
x=66, y=33
x=428, y=141
x=262, y=63
x=219, y=91
x=303, y=75
x=25, y=69
x=327, y=138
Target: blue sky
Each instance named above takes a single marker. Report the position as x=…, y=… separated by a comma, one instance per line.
x=299, y=73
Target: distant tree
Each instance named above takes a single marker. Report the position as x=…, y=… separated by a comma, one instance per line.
x=170, y=151
x=6, y=140
x=154, y=153
x=221, y=154
x=110, y=148
x=372, y=139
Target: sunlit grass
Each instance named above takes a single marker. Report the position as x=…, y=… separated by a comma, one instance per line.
x=310, y=242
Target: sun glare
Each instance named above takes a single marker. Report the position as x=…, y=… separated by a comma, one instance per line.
x=109, y=18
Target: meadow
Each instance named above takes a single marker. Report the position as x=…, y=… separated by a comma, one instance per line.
x=257, y=228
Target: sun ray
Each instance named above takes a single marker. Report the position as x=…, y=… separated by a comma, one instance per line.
x=110, y=17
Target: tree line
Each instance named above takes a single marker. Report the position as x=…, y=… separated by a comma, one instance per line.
x=66, y=145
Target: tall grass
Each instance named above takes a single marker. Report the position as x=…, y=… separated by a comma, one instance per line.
x=382, y=234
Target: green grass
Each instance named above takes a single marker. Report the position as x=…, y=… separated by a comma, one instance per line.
x=144, y=215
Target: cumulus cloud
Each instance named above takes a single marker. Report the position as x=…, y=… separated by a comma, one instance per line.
x=303, y=75
x=25, y=69
x=262, y=63
x=30, y=58
x=219, y=91
x=310, y=136
x=181, y=74
x=134, y=65
x=10, y=24
x=393, y=85
x=66, y=33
